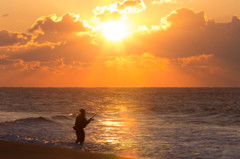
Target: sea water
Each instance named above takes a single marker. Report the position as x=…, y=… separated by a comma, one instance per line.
x=148, y=123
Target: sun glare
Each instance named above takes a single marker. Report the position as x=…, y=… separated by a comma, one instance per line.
x=114, y=30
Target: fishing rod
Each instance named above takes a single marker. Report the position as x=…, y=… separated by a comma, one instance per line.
x=93, y=116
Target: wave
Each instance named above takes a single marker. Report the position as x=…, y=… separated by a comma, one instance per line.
x=34, y=120
x=31, y=120
x=60, y=117
x=38, y=120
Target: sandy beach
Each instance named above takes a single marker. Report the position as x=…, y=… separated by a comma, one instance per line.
x=13, y=150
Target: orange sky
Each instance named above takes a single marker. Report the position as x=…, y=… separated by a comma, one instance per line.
x=127, y=43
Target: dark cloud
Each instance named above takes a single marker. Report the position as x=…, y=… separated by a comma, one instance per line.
x=5, y=61
x=55, y=29
x=190, y=34
x=186, y=19
x=11, y=64
x=79, y=49
x=11, y=38
x=72, y=48
x=75, y=54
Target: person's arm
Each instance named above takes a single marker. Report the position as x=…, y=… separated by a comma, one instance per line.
x=89, y=120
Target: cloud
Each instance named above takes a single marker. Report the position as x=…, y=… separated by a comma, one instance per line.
x=186, y=19
x=163, y=1
x=45, y=59
x=119, y=9
x=194, y=42
x=4, y=60
x=107, y=15
x=193, y=59
x=13, y=38
x=185, y=36
x=190, y=51
x=66, y=38
x=189, y=37
x=54, y=29
x=78, y=49
x=145, y=61
x=168, y=1
x=131, y=6
x=10, y=64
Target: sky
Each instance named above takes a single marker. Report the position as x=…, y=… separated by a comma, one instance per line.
x=120, y=43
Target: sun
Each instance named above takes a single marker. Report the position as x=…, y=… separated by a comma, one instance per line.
x=114, y=30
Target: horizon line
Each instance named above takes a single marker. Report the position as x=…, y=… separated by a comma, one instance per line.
x=120, y=87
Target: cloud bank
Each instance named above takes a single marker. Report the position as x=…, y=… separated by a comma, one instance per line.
x=187, y=49
x=10, y=38
x=54, y=29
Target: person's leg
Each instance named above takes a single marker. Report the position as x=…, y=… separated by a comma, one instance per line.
x=82, y=136
x=78, y=134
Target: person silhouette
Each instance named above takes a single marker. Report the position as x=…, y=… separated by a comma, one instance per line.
x=80, y=123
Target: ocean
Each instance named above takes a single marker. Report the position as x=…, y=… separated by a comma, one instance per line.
x=146, y=123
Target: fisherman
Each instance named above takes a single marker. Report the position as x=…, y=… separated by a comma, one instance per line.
x=80, y=123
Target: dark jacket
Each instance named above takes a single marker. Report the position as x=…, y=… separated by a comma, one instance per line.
x=81, y=122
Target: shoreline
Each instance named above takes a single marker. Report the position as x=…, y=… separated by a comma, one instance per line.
x=13, y=150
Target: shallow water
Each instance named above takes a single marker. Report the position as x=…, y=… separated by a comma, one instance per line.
x=136, y=122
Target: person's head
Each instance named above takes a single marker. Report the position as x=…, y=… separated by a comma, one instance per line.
x=82, y=111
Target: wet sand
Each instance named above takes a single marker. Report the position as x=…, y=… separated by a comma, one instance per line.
x=16, y=150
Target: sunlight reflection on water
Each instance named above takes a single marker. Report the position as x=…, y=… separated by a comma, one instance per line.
x=119, y=129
